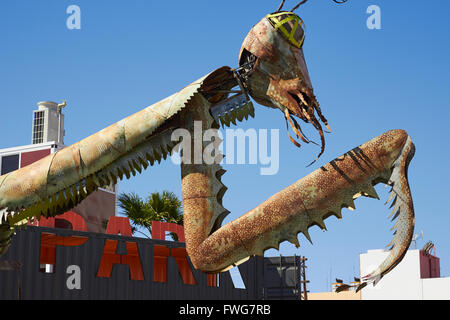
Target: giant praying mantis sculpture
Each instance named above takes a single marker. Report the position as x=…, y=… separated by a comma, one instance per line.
x=272, y=70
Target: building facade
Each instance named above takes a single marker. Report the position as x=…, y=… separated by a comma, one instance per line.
x=48, y=138
x=417, y=277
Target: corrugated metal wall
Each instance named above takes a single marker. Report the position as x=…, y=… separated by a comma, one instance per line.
x=34, y=284
x=281, y=278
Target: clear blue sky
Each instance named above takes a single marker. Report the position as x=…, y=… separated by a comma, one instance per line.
x=130, y=54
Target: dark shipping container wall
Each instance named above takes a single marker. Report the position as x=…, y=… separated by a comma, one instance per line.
x=34, y=284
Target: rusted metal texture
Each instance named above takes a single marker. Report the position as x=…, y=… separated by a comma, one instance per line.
x=303, y=204
x=59, y=181
x=280, y=77
x=272, y=70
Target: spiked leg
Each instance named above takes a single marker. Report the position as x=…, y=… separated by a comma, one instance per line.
x=305, y=203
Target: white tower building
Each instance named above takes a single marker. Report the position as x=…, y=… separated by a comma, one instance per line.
x=48, y=123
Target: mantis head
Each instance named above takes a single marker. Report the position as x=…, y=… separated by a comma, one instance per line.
x=277, y=76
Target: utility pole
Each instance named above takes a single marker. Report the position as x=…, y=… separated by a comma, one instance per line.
x=301, y=276
x=304, y=281
x=60, y=107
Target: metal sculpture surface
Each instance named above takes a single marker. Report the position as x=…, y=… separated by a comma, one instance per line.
x=272, y=70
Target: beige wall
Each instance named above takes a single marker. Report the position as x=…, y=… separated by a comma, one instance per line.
x=345, y=295
x=96, y=208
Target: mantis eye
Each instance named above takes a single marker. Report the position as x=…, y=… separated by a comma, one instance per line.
x=290, y=25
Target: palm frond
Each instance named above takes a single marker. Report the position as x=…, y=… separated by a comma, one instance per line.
x=163, y=206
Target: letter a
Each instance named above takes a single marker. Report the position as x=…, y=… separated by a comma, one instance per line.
x=73, y=21
x=74, y=280
x=374, y=21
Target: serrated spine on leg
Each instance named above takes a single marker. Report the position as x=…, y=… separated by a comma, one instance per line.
x=307, y=203
x=113, y=153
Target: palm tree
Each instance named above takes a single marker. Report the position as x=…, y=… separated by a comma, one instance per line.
x=163, y=206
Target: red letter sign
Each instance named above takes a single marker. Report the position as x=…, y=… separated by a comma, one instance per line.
x=120, y=225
